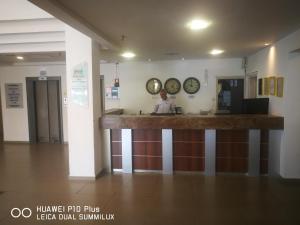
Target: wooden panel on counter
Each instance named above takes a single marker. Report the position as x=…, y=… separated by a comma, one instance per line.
x=192, y=122
x=188, y=150
x=232, y=151
x=264, y=151
x=147, y=149
x=116, y=148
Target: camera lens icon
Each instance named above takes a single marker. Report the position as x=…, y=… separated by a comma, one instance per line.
x=17, y=212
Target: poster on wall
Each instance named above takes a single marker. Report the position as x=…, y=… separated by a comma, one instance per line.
x=79, y=86
x=14, y=95
x=266, y=86
x=260, y=86
x=112, y=93
x=272, y=85
x=279, y=84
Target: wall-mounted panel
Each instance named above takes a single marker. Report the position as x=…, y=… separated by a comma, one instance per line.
x=232, y=151
x=147, y=149
x=188, y=150
x=116, y=149
x=264, y=151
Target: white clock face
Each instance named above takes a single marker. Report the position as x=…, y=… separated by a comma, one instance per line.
x=172, y=86
x=191, y=85
x=153, y=86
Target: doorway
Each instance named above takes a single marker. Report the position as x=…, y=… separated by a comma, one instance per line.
x=252, y=87
x=230, y=94
x=44, y=110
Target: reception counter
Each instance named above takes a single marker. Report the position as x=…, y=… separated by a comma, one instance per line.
x=208, y=144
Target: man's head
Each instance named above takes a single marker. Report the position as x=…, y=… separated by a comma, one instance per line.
x=163, y=94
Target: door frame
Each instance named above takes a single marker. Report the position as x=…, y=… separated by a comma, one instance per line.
x=248, y=77
x=226, y=78
x=31, y=108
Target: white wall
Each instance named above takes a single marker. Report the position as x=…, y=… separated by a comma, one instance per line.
x=277, y=60
x=15, y=121
x=134, y=75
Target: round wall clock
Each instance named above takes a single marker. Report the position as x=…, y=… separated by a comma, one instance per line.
x=191, y=85
x=172, y=86
x=153, y=86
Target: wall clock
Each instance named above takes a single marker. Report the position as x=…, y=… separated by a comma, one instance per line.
x=172, y=86
x=153, y=86
x=191, y=85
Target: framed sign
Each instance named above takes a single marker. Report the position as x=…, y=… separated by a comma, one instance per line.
x=279, y=83
x=112, y=93
x=260, y=86
x=79, y=85
x=14, y=95
x=266, y=86
x=272, y=85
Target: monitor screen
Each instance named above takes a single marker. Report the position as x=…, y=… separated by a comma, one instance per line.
x=256, y=106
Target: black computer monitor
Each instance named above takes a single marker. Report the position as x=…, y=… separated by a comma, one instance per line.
x=256, y=106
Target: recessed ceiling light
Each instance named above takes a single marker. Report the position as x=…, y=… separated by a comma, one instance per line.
x=20, y=57
x=266, y=44
x=128, y=55
x=216, y=51
x=198, y=24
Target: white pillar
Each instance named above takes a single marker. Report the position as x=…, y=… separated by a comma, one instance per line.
x=167, y=151
x=210, y=152
x=82, y=59
x=275, y=145
x=254, y=153
x=127, y=150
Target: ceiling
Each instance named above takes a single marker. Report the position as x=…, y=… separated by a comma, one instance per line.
x=8, y=59
x=156, y=29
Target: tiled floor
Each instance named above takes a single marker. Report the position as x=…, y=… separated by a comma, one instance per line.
x=32, y=175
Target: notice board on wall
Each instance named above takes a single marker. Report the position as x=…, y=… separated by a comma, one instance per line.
x=14, y=95
x=79, y=86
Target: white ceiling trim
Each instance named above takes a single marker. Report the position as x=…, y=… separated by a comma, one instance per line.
x=75, y=21
x=32, y=37
x=31, y=26
x=33, y=47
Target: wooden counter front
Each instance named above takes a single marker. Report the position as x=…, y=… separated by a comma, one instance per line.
x=192, y=122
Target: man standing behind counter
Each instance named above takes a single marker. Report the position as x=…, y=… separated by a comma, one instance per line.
x=165, y=104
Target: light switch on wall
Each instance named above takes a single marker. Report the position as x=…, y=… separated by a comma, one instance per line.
x=65, y=101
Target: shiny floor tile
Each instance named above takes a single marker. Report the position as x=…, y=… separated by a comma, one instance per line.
x=35, y=175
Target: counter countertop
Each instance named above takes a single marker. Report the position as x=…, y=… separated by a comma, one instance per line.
x=192, y=121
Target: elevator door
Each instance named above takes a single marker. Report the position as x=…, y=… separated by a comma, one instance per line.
x=42, y=116
x=47, y=111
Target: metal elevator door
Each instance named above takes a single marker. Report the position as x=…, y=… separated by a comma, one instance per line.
x=47, y=111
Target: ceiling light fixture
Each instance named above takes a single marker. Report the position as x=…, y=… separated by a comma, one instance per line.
x=20, y=57
x=266, y=44
x=198, y=24
x=216, y=52
x=128, y=55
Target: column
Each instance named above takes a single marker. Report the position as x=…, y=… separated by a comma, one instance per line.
x=167, y=151
x=254, y=153
x=210, y=152
x=127, y=150
x=84, y=109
